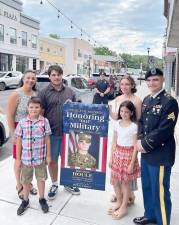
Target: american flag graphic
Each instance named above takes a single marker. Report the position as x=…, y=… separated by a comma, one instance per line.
x=72, y=142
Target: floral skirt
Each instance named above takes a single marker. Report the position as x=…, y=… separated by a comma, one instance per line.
x=121, y=159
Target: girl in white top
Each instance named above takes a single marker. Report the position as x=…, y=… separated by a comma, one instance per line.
x=123, y=162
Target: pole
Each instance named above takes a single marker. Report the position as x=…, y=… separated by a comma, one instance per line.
x=148, y=51
x=140, y=73
x=89, y=66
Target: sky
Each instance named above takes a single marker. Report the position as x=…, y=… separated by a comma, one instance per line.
x=124, y=26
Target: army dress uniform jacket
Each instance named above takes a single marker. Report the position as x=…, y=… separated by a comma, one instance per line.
x=156, y=129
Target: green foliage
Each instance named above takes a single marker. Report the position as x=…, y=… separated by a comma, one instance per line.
x=55, y=36
x=135, y=61
x=104, y=51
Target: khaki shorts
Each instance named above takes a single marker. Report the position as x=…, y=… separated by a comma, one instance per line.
x=27, y=173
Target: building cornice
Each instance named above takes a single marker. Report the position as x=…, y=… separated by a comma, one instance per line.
x=52, y=40
x=16, y=4
x=29, y=21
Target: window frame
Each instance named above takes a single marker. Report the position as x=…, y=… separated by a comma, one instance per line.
x=34, y=45
x=13, y=40
x=24, y=32
x=2, y=36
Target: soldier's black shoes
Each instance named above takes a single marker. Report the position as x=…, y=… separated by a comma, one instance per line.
x=44, y=205
x=144, y=221
x=22, y=208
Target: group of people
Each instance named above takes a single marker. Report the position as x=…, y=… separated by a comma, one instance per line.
x=35, y=120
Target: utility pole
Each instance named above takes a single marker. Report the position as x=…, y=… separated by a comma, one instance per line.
x=141, y=72
x=148, y=52
x=89, y=66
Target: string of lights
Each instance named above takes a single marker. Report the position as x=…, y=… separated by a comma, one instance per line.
x=73, y=24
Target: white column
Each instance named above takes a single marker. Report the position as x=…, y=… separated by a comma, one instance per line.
x=30, y=63
x=14, y=62
x=37, y=64
x=168, y=60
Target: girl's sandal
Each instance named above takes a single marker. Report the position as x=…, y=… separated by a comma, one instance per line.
x=131, y=201
x=33, y=191
x=20, y=192
x=113, y=198
x=118, y=214
x=111, y=210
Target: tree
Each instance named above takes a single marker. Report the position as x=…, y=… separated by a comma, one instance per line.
x=135, y=61
x=55, y=36
x=104, y=51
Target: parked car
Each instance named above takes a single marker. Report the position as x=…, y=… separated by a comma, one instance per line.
x=77, y=83
x=91, y=83
x=4, y=129
x=9, y=79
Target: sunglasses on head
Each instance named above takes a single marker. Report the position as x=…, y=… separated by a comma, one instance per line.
x=86, y=140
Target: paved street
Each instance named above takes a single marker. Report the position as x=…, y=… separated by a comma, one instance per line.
x=4, y=97
x=90, y=208
x=5, y=151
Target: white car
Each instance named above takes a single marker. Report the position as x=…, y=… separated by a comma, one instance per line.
x=4, y=129
x=9, y=79
x=80, y=86
x=77, y=83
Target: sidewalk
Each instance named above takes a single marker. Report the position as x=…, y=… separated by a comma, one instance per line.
x=90, y=208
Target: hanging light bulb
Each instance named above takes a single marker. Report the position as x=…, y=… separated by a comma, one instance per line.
x=41, y=2
x=58, y=16
x=71, y=25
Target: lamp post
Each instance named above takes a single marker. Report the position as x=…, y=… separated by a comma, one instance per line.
x=148, y=51
x=89, y=66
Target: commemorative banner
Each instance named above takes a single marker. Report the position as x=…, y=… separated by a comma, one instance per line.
x=84, y=145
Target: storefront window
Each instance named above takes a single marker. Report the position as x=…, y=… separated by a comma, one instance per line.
x=24, y=38
x=1, y=32
x=5, y=62
x=22, y=63
x=34, y=41
x=79, y=53
x=13, y=36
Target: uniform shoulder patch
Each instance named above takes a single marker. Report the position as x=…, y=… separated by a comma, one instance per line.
x=168, y=95
x=146, y=97
x=171, y=116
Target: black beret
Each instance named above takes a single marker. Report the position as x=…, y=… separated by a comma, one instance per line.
x=153, y=72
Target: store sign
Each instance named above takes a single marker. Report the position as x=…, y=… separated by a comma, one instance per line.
x=7, y=14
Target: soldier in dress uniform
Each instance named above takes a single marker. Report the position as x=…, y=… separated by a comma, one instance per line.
x=157, y=146
x=102, y=90
x=82, y=158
